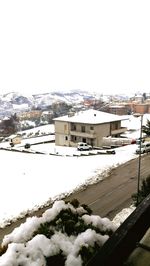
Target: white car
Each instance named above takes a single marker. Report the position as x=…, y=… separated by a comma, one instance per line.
x=82, y=146
x=145, y=148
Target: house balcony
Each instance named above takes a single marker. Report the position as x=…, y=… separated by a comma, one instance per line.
x=118, y=131
x=89, y=134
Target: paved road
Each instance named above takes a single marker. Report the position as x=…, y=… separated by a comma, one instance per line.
x=109, y=196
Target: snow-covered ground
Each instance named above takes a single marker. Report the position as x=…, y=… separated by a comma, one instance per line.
x=28, y=181
x=45, y=129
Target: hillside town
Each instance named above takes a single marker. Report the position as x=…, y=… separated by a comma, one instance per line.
x=19, y=112
x=93, y=140
x=84, y=122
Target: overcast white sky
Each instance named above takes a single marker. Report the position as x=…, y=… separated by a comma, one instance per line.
x=63, y=44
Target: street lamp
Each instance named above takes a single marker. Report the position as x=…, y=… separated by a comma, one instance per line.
x=139, y=163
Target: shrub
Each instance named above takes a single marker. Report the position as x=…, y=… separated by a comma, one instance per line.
x=66, y=234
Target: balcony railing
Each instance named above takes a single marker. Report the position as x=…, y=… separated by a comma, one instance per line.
x=118, y=131
x=89, y=134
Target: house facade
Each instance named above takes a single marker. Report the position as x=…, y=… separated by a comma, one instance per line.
x=14, y=139
x=87, y=126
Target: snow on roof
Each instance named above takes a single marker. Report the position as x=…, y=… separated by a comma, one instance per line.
x=117, y=106
x=14, y=136
x=90, y=117
x=6, y=118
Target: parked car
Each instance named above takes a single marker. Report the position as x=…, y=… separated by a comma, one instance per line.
x=12, y=144
x=111, y=152
x=145, y=147
x=82, y=146
x=27, y=145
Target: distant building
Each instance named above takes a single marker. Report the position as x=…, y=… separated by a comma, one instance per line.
x=87, y=126
x=138, y=98
x=88, y=100
x=34, y=114
x=14, y=139
x=47, y=115
x=128, y=108
x=141, y=108
x=120, y=109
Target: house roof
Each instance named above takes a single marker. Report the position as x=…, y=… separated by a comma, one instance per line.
x=14, y=136
x=90, y=117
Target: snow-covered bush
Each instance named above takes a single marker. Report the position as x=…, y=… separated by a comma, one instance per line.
x=27, y=124
x=66, y=234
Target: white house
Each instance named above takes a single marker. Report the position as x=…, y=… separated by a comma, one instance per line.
x=14, y=139
x=87, y=126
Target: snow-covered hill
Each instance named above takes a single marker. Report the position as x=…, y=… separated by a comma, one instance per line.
x=14, y=101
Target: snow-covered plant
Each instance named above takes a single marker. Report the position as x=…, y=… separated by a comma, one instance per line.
x=66, y=234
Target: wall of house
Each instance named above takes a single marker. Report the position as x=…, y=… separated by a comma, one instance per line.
x=62, y=133
x=91, y=134
x=101, y=131
x=84, y=133
x=15, y=140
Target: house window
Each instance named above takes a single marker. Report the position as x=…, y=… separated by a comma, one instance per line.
x=66, y=138
x=116, y=125
x=91, y=128
x=73, y=127
x=73, y=138
x=82, y=128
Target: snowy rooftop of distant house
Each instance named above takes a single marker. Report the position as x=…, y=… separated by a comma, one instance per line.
x=14, y=136
x=90, y=117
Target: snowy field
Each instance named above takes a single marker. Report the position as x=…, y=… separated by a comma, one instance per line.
x=29, y=181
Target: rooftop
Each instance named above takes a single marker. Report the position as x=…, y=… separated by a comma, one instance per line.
x=90, y=117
